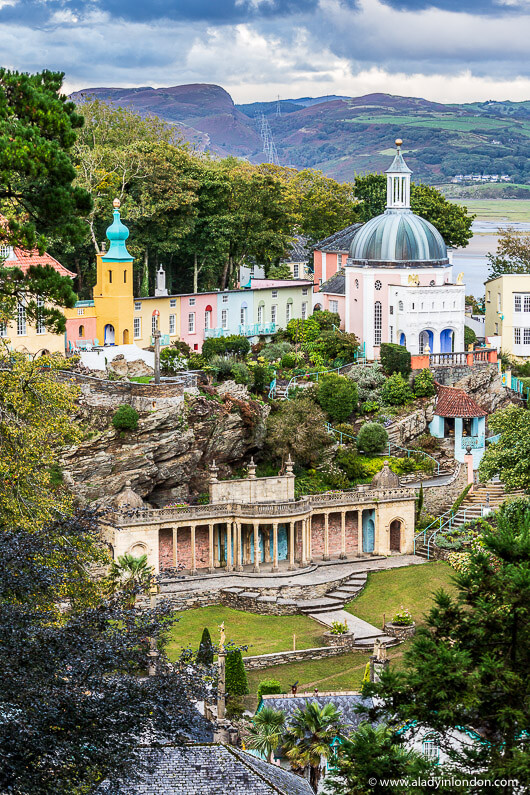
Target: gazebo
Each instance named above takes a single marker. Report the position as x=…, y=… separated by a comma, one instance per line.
x=458, y=416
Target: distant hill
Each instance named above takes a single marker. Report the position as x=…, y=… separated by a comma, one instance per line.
x=343, y=136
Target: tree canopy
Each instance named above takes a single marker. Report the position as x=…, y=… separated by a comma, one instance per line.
x=452, y=221
x=512, y=255
x=509, y=457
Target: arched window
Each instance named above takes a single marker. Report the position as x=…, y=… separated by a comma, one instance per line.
x=378, y=322
x=81, y=332
x=110, y=277
x=400, y=306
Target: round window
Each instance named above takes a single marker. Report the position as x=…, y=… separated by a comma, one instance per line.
x=378, y=284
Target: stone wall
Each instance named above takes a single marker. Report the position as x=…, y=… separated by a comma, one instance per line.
x=438, y=499
x=104, y=394
x=334, y=529
x=284, y=657
x=269, y=489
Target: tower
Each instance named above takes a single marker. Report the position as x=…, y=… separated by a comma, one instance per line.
x=113, y=291
x=398, y=182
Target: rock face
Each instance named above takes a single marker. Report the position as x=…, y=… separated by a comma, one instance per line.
x=121, y=366
x=167, y=458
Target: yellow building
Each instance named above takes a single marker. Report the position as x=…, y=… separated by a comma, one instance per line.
x=508, y=314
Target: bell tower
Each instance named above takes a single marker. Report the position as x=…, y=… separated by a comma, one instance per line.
x=398, y=182
x=113, y=291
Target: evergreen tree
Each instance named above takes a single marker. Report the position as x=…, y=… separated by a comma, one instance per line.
x=205, y=653
x=469, y=666
x=309, y=737
x=236, y=676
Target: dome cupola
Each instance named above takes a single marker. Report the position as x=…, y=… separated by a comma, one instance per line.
x=398, y=236
x=117, y=233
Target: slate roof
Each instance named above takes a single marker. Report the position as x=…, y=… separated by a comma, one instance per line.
x=336, y=284
x=344, y=701
x=339, y=241
x=298, y=250
x=452, y=402
x=212, y=769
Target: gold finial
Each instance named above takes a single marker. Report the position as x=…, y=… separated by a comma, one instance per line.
x=116, y=203
x=398, y=142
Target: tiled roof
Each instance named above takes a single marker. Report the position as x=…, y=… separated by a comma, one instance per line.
x=452, y=402
x=336, y=284
x=26, y=258
x=339, y=241
x=347, y=703
x=211, y=770
x=298, y=250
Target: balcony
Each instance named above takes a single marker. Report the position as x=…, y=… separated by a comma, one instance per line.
x=473, y=442
x=252, y=330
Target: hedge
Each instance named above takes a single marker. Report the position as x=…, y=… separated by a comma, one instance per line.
x=395, y=358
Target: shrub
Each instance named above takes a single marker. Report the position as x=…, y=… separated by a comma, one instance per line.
x=334, y=345
x=403, y=618
x=280, y=271
x=213, y=346
x=297, y=428
x=369, y=381
x=469, y=337
x=338, y=628
x=370, y=406
x=303, y=330
x=349, y=430
x=326, y=320
x=267, y=687
x=275, y=351
x=125, y=418
x=372, y=438
x=236, y=345
x=395, y=358
x=171, y=360
x=196, y=362
x=240, y=373
x=396, y=391
x=288, y=361
x=205, y=653
x=428, y=443
x=261, y=377
x=424, y=384
x=236, y=676
x=222, y=367
x=337, y=395
x=460, y=499
x=350, y=463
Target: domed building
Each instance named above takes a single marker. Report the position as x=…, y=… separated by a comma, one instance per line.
x=397, y=279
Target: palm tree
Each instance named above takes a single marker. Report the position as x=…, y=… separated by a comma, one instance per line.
x=309, y=737
x=130, y=575
x=266, y=732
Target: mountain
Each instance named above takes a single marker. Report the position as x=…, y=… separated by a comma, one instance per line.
x=343, y=136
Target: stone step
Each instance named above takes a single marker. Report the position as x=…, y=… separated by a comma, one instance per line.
x=351, y=588
x=367, y=643
x=339, y=594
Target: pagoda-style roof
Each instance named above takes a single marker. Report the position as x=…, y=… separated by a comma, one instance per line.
x=453, y=402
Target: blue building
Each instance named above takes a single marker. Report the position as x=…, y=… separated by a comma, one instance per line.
x=457, y=416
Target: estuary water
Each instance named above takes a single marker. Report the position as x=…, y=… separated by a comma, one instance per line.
x=472, y=260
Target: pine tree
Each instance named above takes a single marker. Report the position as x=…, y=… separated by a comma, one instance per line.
x=205, y=653
x=236, y=676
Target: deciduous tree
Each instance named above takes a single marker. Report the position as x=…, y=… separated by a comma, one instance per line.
x=512, y=255
x=509, y=457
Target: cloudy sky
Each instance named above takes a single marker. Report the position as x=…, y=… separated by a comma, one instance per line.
x=447, y=50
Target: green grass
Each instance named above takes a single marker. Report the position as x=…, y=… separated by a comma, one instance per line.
x=141, y=379
x=497, y=209
x=411, y=586
x=266, y=634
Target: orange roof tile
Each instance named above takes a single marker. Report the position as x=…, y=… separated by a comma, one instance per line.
x=26, y=258
x=452, y=402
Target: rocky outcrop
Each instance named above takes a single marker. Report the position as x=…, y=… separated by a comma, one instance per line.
x=120, y=366
x=484, y=385
x=167, y=458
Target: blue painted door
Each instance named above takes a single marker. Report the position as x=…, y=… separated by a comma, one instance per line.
x=368, y=531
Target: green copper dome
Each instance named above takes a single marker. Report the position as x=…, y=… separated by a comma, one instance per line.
x=399, y=236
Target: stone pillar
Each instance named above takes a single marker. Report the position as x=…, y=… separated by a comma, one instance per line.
x=211, y=567
x=239, y=556
x=267, y=543
x=175, y=542
x=275, y=546
x=303, y=555
x=468, y=461
x=256, y=547
x=291, y=546
x=193, y=556
x=309, y=540
x=360, y=531
x=325, y=556
x=343, y=534
x=229, y=566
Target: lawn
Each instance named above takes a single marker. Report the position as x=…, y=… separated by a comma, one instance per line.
x=267, y=634
x=141, y=379
x=411, y=586
x=497, y=209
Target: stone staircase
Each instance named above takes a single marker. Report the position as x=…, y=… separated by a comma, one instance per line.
x=488, y=495
x=335, y=600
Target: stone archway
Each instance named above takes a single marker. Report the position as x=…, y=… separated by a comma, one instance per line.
x=395, y=535
x=126, y=336
x=109, y=334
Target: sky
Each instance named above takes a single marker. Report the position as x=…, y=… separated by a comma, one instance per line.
x=444, y=50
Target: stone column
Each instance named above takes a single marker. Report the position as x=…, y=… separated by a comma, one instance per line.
x=275, y=546
x=343, y=534
x=360, y=531
x=291, y=546
x=267, y=542
x=309, y=521
x=211, y=567
x=239, y=558
x=193, y=556
x=229, y=566
x=325, y=556
x=175, y=542
x=303, y=555
x=256, y=547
